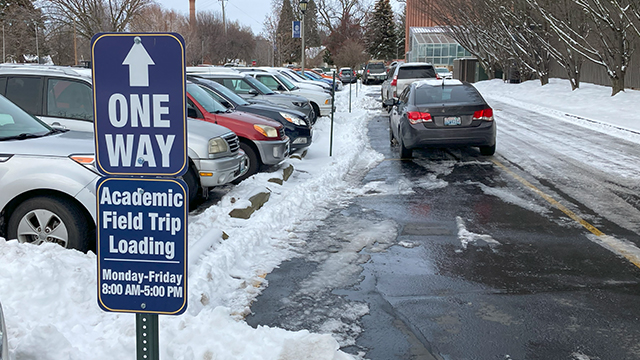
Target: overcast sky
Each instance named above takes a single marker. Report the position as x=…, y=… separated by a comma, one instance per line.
x=248, y=12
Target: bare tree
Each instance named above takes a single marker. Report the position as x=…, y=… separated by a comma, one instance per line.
x=608, y=44
x=94, y=16
x=351, y=54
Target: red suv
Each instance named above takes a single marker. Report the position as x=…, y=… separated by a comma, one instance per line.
x=263, y=140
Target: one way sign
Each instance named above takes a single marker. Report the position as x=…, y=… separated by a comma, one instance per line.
x=139, y=103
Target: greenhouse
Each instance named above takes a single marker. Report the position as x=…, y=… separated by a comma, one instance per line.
x=433, y=45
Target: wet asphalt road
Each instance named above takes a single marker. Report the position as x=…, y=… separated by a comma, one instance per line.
x=477, y=265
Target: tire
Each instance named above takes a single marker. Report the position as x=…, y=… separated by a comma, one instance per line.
x=191, y=179
x=51, y=219
x=253, y=162
x=488, y=150
x=316, y=109
x=404, y=152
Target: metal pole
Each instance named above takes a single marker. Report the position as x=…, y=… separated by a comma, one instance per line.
x=37, y=50
x=350, y=96
x=333, y=110
x=302, y=33
x=147, y=346
x=4, y=58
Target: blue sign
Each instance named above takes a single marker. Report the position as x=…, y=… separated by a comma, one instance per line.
x=295, y=28
x=142, y=245
x=139, y=95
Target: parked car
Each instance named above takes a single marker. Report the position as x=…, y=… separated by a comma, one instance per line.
x=374, y=73
x=252, y=90
x=311, y=75
x=298, y=80
x=403, y=75
x=263, y=141
x=62, y=97
x=441, y=113
x=4, y=347
x=48, y=181
x=296, y=125
x=347, y=75
x=319, y=100
x=444, y=73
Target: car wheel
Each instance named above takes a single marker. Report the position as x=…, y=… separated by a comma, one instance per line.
x=316, y=110
x=191, y=179
x=50, y=219
x=488, y=150
x=404, y=152
x=253, y=162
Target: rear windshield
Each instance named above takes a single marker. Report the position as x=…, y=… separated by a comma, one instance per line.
x=448, y=94
x=416, y=72
x=376, y=66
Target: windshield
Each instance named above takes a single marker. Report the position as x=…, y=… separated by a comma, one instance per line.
x=261, y=87
x=225, y=93
x=16, y=123
x=442, y=70
x=293, y=75
x=204, y=99
x=286, y=82
x=312, y=75
x=376, y=66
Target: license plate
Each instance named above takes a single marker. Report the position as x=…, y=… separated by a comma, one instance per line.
x=452, y=121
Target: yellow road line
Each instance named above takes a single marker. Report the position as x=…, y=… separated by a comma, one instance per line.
x=616, y=245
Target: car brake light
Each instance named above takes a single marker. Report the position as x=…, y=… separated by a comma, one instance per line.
x=485, y=114
x=416, y=117
x=394, y=82
x=438, y=77
x=368, y=71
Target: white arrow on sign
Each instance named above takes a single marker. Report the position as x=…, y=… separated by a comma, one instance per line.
x=138, y=60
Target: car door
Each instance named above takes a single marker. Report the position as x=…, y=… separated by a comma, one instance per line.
x=397, y=112
x=69, y=103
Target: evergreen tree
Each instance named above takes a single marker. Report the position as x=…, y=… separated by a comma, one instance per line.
x=288, y=48
x=381, y=32
x=401, y=33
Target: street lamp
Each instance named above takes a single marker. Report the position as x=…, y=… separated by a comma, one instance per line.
x=303, y=9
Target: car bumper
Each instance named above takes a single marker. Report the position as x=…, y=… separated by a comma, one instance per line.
x=300, y=138
x=216, y=172
x=273, y=152
x=417, y=136
x=325, y=110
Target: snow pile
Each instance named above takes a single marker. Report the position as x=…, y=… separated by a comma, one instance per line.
x=49, y=293
x=590, y=106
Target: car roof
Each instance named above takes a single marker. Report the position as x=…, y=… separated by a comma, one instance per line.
x=435, y=82
x=36, y=69
x=234, y=75
x=211, y=70
x=410, y=64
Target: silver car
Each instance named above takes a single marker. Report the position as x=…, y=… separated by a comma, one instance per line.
x=47, y=181
x=62, y=97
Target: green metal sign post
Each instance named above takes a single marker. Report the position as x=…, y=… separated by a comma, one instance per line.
x=147, y=347
x=333, y=110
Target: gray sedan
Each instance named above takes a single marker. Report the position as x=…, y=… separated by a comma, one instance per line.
x=441, y=113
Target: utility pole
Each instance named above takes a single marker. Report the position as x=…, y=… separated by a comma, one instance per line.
x=75, y=44
x=224, y=19
x=303, y=9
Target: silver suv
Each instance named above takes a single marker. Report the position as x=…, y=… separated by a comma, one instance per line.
x=63, y=97
x=47, y=181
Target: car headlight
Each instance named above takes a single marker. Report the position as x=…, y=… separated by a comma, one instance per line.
x=217, y=145
x=266, y=130
x=293, y=119
x=300, y=103
x=86, y=160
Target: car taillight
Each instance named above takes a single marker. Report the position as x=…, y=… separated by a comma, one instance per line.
x=416, y=117
x=485, y=114
x=368, y=71
x=438, y=77
x=394, y=82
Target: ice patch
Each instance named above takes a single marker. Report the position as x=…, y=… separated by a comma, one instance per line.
x=401, y=187
x=466, y=237
x=408, y=244
x=580, y=356
x=508, y=196
x=623, y=248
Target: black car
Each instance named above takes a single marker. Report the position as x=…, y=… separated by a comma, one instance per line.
x=441, y=113
x=296, y=124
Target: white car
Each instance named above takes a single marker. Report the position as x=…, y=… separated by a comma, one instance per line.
x=444, y=73
x=64, y=97
x=319, y=100
x=48, y=181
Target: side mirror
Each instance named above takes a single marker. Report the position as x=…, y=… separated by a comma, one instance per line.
x=280, y=88
x=253, y=92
